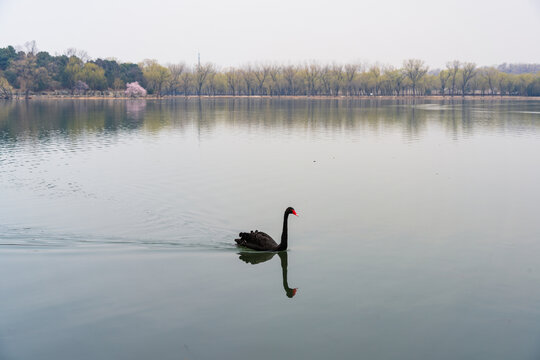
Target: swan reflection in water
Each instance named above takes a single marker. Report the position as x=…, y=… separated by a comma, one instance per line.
x=260, y=257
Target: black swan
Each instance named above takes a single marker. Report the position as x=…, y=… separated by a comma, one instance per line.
x=257, y=240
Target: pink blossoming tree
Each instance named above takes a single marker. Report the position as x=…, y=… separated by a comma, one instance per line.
x=135, y=90
x=80, y=87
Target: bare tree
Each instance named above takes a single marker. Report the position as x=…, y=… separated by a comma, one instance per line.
x=249, y=79
x=491, y=75
x=453, y=69
x=375, y=75
x=157, y=76
x=211, y=83
x=479, y=82
x=176, y=71
x=201, y=74
x=467, y=73
x=186, y=80
x=81, y=54
x=311, y=72
x=399, y=82
x=337, y=78
x=261, y=73
x=389, y=80
x=350, y=72
x=415, y=70
x=233, y=80
x=289, y=72
x=444, y=76
x=275, y=72
x=503, y=82
x=31, y=47
x=326, y=78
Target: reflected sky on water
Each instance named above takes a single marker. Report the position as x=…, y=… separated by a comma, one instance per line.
x=417, y=236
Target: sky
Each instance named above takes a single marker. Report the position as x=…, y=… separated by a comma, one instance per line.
x=240, y=32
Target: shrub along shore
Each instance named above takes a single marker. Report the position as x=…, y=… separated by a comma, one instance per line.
x=37, y=74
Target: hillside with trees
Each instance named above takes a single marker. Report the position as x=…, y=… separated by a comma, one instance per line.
x=28, y=72
x=519, y=68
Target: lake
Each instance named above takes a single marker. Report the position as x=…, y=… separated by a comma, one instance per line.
x=418, y=235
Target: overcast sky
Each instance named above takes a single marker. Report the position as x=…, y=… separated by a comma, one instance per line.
x=237, y=32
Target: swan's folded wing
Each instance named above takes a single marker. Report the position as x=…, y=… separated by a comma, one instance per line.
x=262, y=235
x=256, y=240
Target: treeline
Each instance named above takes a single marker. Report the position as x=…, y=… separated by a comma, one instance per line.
x=23, y=73
x=33, y=72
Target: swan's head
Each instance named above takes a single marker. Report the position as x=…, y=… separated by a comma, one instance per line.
x=291, y=292
x=290, y=210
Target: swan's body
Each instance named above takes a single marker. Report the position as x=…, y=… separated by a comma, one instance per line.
x=257, y=240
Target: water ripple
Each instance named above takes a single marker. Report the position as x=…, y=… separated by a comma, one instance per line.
x=14, y=237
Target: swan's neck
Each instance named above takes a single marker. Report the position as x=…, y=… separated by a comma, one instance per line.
x=283, y=245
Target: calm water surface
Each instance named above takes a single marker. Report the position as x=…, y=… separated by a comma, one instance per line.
x=418, y=235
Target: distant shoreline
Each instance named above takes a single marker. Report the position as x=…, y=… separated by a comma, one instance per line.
x=267, y=97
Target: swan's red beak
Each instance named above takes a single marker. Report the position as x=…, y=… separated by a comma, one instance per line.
x=294, y=213
x=294, y=291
